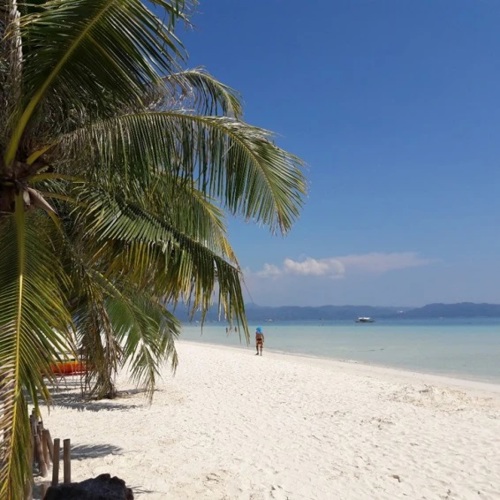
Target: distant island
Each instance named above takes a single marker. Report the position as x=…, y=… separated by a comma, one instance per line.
x=296, y=313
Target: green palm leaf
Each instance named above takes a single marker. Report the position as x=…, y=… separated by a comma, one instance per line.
x=229, y=160
x=146, y=331
x=96, y=339
x=33, y=329
x=115, y=324
x=199, y=92
x=160, y=256
x=106, y=51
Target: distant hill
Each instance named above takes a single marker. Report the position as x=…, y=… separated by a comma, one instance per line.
x=297, y=313
x=461, y=310
x=294, y=313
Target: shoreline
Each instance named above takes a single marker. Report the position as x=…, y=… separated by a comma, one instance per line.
x=232, y=425
x=448, y=379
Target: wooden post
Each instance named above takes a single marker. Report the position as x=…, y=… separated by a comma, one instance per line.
x=49, y=445
x=33, y=435
x=67, y=460
x=33, y=422
x=28, y=488
x=55, y=462
x=39, y=451
x=45, y=446
x=35, y=457
x=32, y=457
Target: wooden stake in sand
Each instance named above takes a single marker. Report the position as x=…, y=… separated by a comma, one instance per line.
x=67, y=460
x=55, y=462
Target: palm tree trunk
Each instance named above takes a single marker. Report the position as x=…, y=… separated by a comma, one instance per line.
x=15, y=50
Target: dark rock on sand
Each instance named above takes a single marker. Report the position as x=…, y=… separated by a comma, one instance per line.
x=103, y=487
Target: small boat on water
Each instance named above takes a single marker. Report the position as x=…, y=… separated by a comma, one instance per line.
x=365, y=319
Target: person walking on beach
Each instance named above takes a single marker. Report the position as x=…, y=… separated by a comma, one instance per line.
x=259, y=340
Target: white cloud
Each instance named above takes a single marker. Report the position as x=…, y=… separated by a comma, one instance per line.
x=314, y=267
x=338, y=267
x=269, y=271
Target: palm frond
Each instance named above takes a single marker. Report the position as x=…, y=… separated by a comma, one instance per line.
x=95, y=338
x=197, y=214
x=34, y=325
x=94, y=334
x=115, y=321
x=146, y=331
x=229, y=160
x=104, y=51
x=160, y=257
x=200, y=93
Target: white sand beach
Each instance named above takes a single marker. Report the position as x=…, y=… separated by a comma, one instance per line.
x=231, y=425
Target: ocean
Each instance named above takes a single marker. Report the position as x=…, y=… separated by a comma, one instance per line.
x=461, y=348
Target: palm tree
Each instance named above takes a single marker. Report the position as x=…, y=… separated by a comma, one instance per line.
x=116, y=169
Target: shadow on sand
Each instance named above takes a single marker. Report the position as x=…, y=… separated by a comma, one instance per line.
x=82, y=451
x=71, y=397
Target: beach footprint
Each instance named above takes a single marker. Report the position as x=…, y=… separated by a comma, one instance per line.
x=278, y=493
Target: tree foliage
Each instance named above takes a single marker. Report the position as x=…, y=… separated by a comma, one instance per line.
x=117, y=166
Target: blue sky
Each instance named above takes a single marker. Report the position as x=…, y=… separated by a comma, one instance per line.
x=395, y=107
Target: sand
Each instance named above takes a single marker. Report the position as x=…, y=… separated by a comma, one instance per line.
x=231, y=425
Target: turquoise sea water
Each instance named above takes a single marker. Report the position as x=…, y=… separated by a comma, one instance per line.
x=463, y=348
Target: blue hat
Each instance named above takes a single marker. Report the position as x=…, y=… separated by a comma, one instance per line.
x=259, y=329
